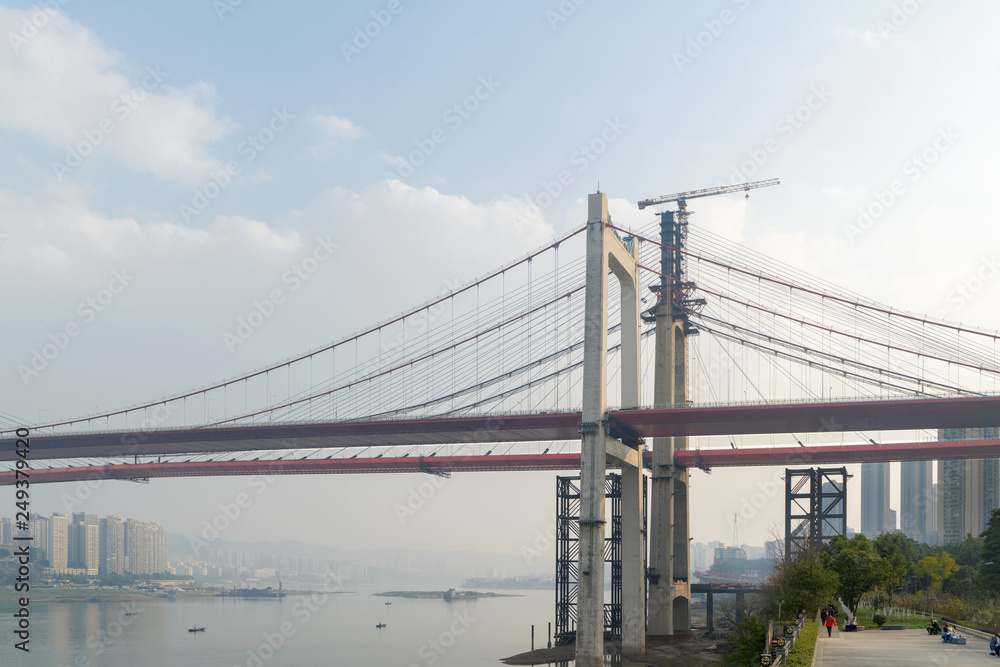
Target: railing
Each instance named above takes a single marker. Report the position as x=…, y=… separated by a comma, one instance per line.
x=779, y=642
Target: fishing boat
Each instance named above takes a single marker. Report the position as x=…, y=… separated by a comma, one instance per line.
x=380, y=625
x=196, y=629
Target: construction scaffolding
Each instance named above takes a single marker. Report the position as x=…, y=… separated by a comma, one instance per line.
x=815, y=508
x=568, y=557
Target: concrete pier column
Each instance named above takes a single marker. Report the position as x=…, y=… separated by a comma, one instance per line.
x=710, y=611
x=633, y=563
x=680, y=569
x=606, y=252
x=661, y=510
x=590, y=586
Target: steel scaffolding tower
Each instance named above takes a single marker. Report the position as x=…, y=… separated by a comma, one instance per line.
x=815, y=508
x=568, y=554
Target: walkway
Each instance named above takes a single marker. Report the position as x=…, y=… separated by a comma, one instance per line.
x=879, y=648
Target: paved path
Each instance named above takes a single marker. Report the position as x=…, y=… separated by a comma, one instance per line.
x=889, y=648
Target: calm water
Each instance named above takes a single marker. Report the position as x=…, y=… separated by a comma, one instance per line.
x=337, y=630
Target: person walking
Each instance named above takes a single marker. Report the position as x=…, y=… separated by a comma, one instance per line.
x=829, y=626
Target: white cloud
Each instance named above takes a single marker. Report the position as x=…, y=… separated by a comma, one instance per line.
x=398, y=246
x=393, y=160
x=869, y=36
x=75, y=92
x=337, y=128
x=335, y=131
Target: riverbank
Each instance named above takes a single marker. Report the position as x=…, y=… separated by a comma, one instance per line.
x=438, y=595
x=40, y=594
x=693, y=650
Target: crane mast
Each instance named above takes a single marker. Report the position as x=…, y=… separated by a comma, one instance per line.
x=677, y=300
x=682, y=197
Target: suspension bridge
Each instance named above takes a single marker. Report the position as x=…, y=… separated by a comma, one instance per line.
x=516, y=370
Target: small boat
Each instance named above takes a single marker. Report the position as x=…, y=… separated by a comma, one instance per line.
x=196, y=629
x=387, y=604
x=379, y=625
x=131, y=613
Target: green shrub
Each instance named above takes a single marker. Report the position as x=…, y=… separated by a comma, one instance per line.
x=744, y=646
x=878, y=619
x=805, y=645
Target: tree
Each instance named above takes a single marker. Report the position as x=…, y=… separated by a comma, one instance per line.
x=889, y=547
x=857, y=565
x=968, y=551
x=937, y=567
x=4, y=553
x=800, y=584
x=988, y=578
x=744, y=646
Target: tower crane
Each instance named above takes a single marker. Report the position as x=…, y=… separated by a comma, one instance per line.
x=682, y=197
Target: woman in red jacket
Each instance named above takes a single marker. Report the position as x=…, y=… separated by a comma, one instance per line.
x=829, y=625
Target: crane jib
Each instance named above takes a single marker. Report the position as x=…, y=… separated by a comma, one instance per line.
x=708, y=192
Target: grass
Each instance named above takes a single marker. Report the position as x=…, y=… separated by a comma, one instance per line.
x=805, y=646
x=911, y=622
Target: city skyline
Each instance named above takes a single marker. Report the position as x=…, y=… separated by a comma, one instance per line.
x=86, y=544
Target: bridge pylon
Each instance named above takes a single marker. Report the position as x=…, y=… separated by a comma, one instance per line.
x=669, y=531
x=607, y=252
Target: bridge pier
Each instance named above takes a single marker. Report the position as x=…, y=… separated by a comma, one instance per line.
x=606, y=252
x=670, y=589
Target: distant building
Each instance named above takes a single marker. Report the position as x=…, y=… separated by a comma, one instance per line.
x=875, y=513
x=145, y=547
x=38, y=528
x=112, y=550
x=58, y=542
x=774, y=550
x=968, y=490
x=6, y=531
x=730, y=555
x=83, y=547
x=916, y=500
x=935, y=526
x=699, y=556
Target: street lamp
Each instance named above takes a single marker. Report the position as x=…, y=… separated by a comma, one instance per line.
x=971, y=570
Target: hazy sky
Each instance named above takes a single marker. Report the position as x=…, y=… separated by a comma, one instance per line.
x=185, y=154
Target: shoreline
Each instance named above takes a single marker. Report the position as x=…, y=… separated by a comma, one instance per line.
x=124, y=595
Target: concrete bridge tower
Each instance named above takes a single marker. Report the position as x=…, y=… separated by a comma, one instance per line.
x=607, y=252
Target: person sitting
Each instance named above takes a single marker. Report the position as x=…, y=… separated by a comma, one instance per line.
x=995, y=644
x=934, y=628
x=851, y=624
x=948, y=634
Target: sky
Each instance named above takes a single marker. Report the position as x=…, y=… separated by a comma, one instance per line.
x=180, y=157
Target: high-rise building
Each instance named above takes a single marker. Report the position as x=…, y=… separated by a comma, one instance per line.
x=6, y=531
x=935, y=526
x=968, y=490
x=74, y=543
x=145, y=547
x=875, y=514
x=112, y=550
x=58, y=541
x=40, y=534
x=774, y=550
x=699, y=556
x=730, y=555
x=916, y=500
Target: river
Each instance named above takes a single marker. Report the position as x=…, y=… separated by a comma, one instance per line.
x=318, y=629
